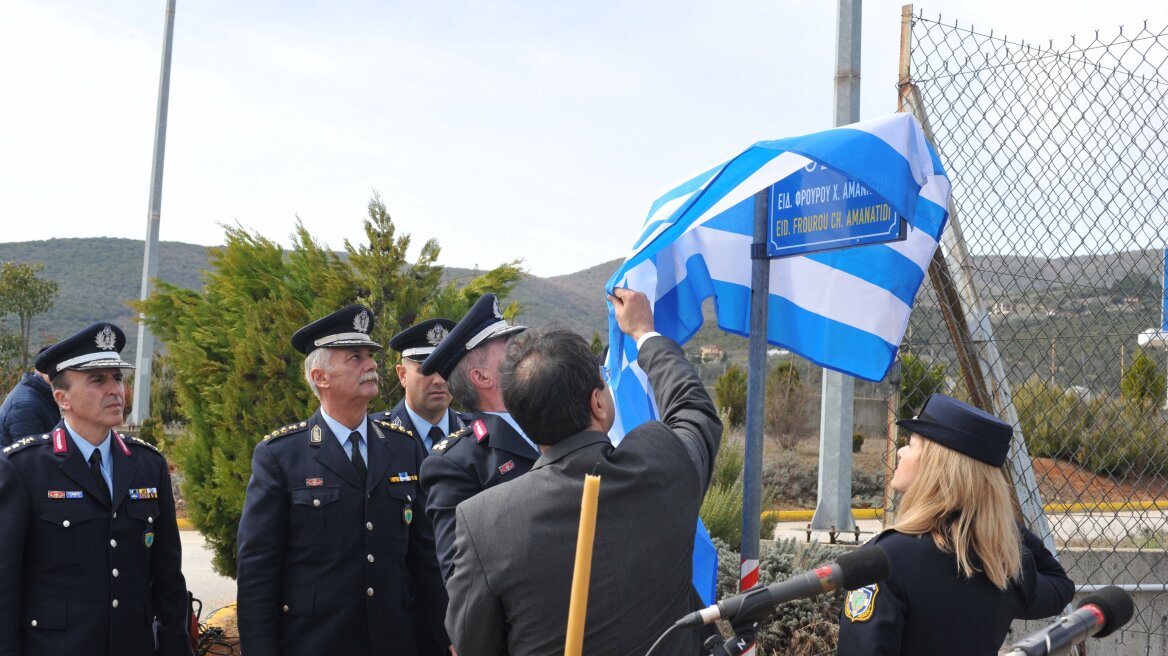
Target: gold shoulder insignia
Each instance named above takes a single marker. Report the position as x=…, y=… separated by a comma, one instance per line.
x=141, y=442
x=25, y=442
x=286, y=430
x=394, y=427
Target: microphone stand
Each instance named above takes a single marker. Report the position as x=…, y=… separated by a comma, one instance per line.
x=743, y=639
x=756, y=607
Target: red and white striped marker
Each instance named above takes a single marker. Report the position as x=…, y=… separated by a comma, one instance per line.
x=748, y=578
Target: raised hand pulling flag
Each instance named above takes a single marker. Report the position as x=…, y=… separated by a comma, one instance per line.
x=845, y=310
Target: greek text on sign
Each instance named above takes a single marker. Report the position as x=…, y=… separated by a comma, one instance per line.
x=819, y=209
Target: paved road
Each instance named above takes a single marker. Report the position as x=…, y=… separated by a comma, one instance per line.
x=215, y=591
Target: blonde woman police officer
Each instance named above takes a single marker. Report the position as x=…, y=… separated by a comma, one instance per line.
x=962, y=568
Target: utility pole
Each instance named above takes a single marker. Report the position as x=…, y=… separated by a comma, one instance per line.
x=833, y=508
x=144, y=358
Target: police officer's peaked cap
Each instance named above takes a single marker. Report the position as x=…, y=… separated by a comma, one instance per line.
x=963, y=428
x=482, y=323
x=420, y=340
x=97, y=347
x=349, y=326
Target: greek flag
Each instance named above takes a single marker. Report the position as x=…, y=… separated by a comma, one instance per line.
x=845, y=310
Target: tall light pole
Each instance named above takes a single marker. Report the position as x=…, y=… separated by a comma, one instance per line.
x=144, y=358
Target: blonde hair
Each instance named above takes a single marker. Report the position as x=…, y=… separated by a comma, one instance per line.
x=965, y=506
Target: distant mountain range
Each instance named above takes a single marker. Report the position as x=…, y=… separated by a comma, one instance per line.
x=97, y=276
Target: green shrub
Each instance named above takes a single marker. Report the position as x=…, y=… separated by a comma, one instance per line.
x=857, y=442
x=917, y=381
x=721, y=512
x=1052, y=419
x=151, y=431
x=730, y=395
x=804, y=627
x=1143, y=385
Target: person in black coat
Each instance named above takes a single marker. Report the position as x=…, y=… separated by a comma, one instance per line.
x=29, y=408
x=492, y=449
x=334, y=549
x=962, y=568
x=90, y=557
x=424, y=412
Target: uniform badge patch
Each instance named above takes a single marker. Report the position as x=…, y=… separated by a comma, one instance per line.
x=403, y=477
x=480, y=430
x=148, y=539
x=143, y=493
x=314, y=482
x=396, y=423
x=105, y=339
x=861, y=604
x=506, y=467
x=408, y=515
x=56, y=494
x=59, y=441
x=74, y=494
x=315, y=437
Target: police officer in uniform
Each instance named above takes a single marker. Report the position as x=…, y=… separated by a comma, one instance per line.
x=333, y=544
x=492, y=449
x=962, y=569
x=425, y=410
x=90, y=559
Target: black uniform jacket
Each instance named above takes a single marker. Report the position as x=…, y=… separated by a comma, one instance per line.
x=485, y=453
x=328, y=564
x=398, y=416
x=78, y=576
x=427, y=642
x=927, y=607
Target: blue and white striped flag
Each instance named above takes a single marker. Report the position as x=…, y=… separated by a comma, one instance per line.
x=845, y=310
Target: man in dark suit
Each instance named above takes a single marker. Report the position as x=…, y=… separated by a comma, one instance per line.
x=515, y=544
x=493, y=448
x=333, y=546
x=29, y=408
x=424, y=410
x=90, y=557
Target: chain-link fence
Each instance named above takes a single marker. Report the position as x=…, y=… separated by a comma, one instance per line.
x=1058, y=155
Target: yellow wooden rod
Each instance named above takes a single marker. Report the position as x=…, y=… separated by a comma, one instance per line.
x=582, y=573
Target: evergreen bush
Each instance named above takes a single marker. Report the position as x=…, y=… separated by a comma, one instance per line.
x=236, y=374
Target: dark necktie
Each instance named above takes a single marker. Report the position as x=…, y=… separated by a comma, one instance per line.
x=95, y=468
x=436, y=436
x=358, y=461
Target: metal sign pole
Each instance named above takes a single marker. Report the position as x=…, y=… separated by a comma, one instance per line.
x=833, y=507
x=760, y=282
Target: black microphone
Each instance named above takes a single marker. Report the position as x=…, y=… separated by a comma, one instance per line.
x=1097, y=615
x=853, y=570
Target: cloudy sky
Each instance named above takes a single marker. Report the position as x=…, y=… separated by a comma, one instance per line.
x=505, y=129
